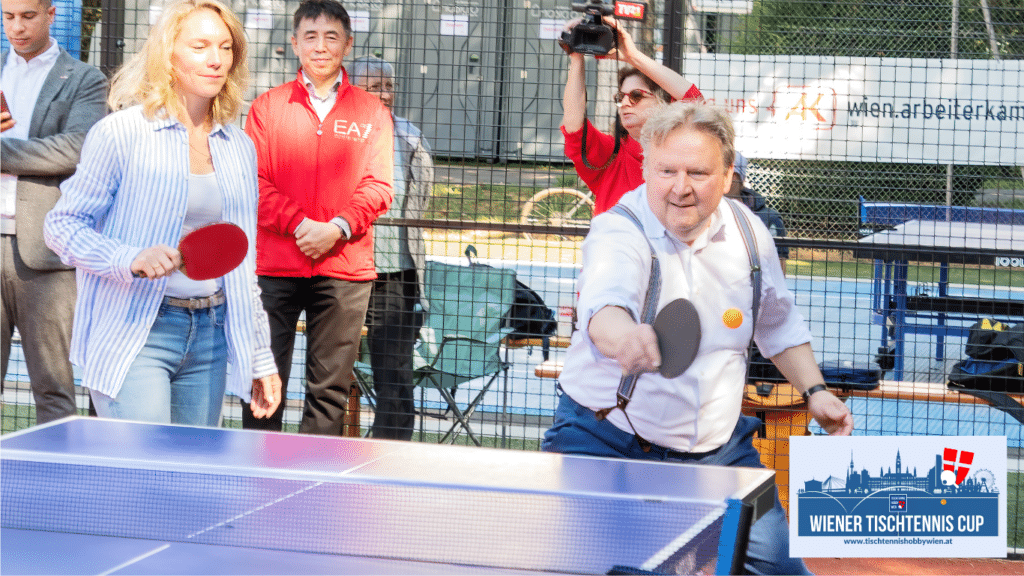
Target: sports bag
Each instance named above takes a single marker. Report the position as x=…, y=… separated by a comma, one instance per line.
x=992, y=340
x=851, y=375
x=530, y=317
x=993, y=375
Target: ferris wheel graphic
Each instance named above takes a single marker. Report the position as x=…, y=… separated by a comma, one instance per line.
x=985, y=478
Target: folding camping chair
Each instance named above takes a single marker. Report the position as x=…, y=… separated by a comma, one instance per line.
x=462, y=334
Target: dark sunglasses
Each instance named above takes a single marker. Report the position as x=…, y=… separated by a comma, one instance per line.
x=635, y=96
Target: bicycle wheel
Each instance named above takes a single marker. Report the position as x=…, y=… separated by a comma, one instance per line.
x=558, y=207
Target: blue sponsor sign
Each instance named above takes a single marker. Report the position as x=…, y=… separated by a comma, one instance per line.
x=933, y=496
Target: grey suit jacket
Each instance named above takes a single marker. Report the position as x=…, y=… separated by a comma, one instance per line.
x=419, y=185
x=72, y=99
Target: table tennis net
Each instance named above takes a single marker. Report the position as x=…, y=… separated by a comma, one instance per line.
x=369, y=517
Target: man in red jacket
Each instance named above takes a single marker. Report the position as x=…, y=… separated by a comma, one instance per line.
x=325, y=151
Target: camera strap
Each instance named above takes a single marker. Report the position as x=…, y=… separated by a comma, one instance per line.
x=583, y=144
x=618, y=138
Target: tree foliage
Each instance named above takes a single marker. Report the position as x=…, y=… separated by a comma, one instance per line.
x=881, y=28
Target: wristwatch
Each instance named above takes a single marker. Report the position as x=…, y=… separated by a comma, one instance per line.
x=812, y=390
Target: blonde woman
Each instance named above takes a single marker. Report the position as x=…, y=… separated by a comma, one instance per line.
x=152, y=344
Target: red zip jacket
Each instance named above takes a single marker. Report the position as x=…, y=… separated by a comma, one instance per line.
x=308, y=169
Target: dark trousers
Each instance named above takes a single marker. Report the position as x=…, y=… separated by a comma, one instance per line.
x=392, y=324
x=335, y=310
x=41, y=304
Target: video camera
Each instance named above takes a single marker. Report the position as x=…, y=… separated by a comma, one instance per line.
x=592, y=35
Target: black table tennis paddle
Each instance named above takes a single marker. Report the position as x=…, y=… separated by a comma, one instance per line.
x=678, y=330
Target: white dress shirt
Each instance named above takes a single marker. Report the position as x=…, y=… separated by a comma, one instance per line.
x=697, y=411
x=21, y=81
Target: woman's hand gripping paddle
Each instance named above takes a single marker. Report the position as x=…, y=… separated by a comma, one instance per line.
x=207, y=252
x=678, y=330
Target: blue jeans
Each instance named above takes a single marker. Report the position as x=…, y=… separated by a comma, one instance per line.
x=577, y=431
x=180, y=374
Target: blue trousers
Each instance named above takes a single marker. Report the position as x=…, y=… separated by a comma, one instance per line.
x=577, y=431
x=179, y=376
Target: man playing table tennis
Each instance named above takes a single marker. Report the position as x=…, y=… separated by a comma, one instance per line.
x=695, y=417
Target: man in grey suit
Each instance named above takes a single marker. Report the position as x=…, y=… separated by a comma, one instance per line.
x=399, y=255
x=54, y=99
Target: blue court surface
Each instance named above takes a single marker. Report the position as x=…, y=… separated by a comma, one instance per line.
x=94, y=496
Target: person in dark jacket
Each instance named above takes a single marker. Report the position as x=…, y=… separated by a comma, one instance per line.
x=771, y=217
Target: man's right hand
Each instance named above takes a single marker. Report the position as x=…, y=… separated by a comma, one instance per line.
x=639, y=352
x=315, y=239
x=616, y=335
x=6, y=121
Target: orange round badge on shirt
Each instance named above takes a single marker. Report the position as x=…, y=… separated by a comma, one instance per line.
x=732, y=318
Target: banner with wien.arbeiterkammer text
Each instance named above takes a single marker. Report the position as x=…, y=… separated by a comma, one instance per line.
x=903, y=110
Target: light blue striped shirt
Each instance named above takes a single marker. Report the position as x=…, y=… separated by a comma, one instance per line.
x=131, y=192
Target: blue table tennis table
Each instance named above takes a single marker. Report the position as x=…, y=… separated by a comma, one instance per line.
x=998, y=244
x=95, y=496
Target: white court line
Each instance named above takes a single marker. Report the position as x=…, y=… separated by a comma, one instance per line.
x=136, y=559
x=341, y=474
x=253, y=511
x=686, y=537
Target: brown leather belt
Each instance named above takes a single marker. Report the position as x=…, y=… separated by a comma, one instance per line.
x=216, y=299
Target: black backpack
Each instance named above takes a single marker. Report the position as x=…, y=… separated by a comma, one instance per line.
x=531, y=318
x=995, y=358
x=994, y=366
x=991, y=340
x=993, y=375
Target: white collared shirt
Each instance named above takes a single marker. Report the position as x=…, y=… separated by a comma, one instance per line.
x=21, y=81
x=322, y=105
x=697, y=411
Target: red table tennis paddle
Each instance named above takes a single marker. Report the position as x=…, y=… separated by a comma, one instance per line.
x=212, y=250
x=678, y=330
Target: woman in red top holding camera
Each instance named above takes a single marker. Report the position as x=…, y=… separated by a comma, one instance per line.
x=643, y=86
